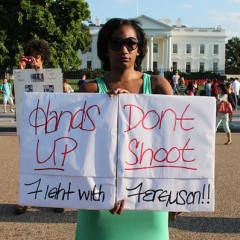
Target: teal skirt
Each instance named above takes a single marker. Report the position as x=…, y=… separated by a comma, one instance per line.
x=139, y=225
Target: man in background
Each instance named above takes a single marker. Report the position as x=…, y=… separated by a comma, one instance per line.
x=236, y=89
x=175, y=80
x=82, y=80
x=6, y=90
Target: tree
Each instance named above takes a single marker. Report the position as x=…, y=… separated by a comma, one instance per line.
x=60, y=22
x=232, y=62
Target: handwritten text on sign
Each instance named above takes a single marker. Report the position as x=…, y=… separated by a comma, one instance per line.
x=163, y=151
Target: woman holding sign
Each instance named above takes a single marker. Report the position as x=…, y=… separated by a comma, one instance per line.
x=36, y=53
x=122, y=45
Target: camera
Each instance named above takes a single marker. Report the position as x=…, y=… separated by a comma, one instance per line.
x=28, y=59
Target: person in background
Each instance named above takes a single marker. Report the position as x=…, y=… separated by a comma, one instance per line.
x=67, y=87
x=195, y=87
x=36, y=53
x=122, y=46
x=231, y=99
x=82, y=80
x=182, y=87
x=223, y=117
x=207, y=88
x=39, y=53
x=190, y=89
x=236, y=89
x=214, y=89
x=175, y=79
x=7, y=97
x=171, y=83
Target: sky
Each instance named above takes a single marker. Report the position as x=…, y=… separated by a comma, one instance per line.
x=193, y=13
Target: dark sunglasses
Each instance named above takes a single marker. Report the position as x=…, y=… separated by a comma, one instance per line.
x=116, y=44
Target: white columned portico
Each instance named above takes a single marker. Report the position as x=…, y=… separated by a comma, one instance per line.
x=147, y=59
x=169, y=51
x=150, y=66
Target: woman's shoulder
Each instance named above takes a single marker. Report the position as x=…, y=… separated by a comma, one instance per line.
x=89, y=86
x=158, y=79
x=160, y=85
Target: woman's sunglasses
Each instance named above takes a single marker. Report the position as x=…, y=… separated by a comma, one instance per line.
x=116, y=44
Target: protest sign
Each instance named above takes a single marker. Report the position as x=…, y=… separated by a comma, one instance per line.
x=68, y=145
x=88, y=151
x=35, y=80
x=166, y=152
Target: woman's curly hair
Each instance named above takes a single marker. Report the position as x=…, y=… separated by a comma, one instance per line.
x=39, y=47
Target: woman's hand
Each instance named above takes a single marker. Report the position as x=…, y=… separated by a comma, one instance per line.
x=21, y=65
x=117, y=91
x=118, y=208
x=28, y=60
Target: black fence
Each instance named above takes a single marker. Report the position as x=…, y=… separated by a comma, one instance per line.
x=193, y=75
x=93, y=73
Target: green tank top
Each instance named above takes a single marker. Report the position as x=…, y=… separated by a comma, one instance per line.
x=131, y=225
x=147, y=89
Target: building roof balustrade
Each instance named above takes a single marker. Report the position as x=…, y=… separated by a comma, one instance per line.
x=201, y=30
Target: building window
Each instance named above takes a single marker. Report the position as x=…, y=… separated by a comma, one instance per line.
x=89, y=64
x=155, y=48
x=202, y=48
x=215, y=49
x=90, y=49
x=201, y=67
x=188, y=67
x=215, y=66
x=188, y=48
x=175, y=48
x=155, y=66
x=175, y=68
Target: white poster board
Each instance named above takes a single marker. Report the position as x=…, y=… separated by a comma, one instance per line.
x=65, y=156
x=166, y=152
x=88, y=151
x=35, y=80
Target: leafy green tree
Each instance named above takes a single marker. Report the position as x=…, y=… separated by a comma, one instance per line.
x=232, y=62
x=60, y=22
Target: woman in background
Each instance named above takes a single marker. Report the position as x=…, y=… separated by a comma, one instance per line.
x=231, y=99
x=36, y=54
x=67, y=87
x=223, y=117
x=190, y=89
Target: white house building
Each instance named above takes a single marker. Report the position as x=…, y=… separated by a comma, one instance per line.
x=172, y=47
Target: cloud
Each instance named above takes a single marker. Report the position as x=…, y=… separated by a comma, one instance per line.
x=228, y=21
x=123, y=1
x=188, y=6
x=231, y=19
x=235, y=1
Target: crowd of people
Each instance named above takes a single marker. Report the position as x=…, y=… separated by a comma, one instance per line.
x=223, y=91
